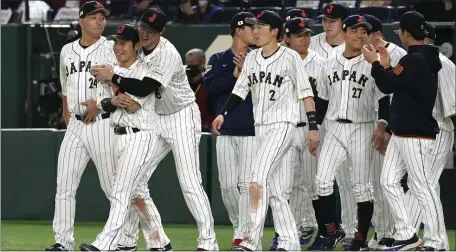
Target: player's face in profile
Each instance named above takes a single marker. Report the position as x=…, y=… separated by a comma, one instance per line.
x=246, y=34
x=147, y=38
x=299, y=43
x=125, y=50
x=332, y=27
x=262, y=34
x=93, y=24
x=356, y=38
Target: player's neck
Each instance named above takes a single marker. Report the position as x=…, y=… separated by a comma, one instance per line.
x=335, y=40
x=127, y=64
x=351, y=53
x=270, y=48
x=381, y=42
x=304, y=55
x=239, y=47
x=88, y=41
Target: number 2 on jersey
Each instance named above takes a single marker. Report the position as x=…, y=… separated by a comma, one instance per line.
x=93, y=83
x=272, y=92
x=357, y=92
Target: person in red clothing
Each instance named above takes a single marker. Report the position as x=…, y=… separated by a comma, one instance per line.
x=195, y=60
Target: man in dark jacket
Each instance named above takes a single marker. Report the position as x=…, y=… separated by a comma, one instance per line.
x=236, y=146
x=414, y=83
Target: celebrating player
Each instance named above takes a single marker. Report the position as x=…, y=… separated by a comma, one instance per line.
x=88, y=133
x=381, y=219
x=236, y=144
x=276, y=78
x=414, y=83
x=135, y=138
x=179, y=123
x=350, y=119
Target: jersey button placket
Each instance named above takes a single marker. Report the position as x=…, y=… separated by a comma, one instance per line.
x=345, y=91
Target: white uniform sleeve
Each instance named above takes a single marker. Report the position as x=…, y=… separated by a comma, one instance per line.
x=322, y=82
x=163, y=66
x=447, y=88
x=302, y=79
x=241, y=88
x=63, y=73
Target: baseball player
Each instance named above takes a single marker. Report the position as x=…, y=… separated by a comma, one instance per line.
x=179, y=123
x=444, y=112
x=132, y=123
x=290, y=15
x=88, y=135
x=236, y=145
x=328, y=44
x=351, y=120
x=414, y=83
x=382, y=219
x=276, y=78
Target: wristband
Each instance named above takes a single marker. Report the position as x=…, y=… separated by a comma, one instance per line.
x=115, y=79
x=312, y=119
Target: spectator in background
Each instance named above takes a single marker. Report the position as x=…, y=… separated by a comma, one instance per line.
x=195, y=60
x=203, y=12
x=436, y=10
x=37, y=11
x=138, y=7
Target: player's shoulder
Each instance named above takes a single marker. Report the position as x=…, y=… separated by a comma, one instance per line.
x=446, y=62
x=395, y=49
x=165, y=46
x=318, y=36
x=316, y=57
x=288, y=52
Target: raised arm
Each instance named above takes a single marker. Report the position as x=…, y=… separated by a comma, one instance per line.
x=216, y=81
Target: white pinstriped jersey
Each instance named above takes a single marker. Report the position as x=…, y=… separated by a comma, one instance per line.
x=319, y=44
x=145, y=117
x=445, y=103
x=396, y=53
x=78, y=84
x=165, y=66
x=350, y=89
x=276, y=83
x=312, y=66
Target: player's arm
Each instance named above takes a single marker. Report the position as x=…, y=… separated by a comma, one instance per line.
x=217, y=82
x=305, y=92
x=322, y=100
x=447, y=89
x=63, y=83
x=391, y=80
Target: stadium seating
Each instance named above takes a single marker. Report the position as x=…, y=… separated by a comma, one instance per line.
x=384, y=13
x=229, y=12
x=310, y=12
x=256, y=10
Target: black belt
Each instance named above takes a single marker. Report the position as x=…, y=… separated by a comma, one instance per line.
x=301, y=124
x=344, y=121
x=103, y=116
x=123, y=130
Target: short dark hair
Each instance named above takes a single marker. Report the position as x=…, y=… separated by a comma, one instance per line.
x=417, y=35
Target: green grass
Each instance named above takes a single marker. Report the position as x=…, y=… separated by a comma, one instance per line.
x=37, y=235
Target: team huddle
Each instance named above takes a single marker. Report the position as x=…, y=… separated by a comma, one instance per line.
x=293, y=117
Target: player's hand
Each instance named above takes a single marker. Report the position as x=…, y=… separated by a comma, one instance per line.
x=102, y=72
x=313, y=140
x=217, y=124
x=236, y=72
x=369, y=53
x=239, y=59
x=378, y=139
x=385, y=58
x=92, y=111
x=385, y=145
x=122, y=101
x=133, y=108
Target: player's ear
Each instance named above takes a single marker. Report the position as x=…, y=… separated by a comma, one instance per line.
x=80, y=22
x=136, y=46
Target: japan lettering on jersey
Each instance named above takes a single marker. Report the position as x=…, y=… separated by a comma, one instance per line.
x=350, y=89
x=319, y=44
x=445, y=103
x=276, y=83
x=312, y=66
x=78, y=84
x=165, y=66
x=145, y=117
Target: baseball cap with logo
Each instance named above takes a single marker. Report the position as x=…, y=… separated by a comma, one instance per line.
x=153, y=19
x=266, y=17
x=355, y=21
x=298, y=25
x=293, y=13
x=125, y=33
x=238, y=20
x=92, y=7
x=376, y=24
x=430, y=30
x=334, y=11
x=411, y=21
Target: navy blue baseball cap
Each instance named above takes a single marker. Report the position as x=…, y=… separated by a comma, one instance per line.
x=334, y=11
x=298, y=25
x=355, y=21
x=153, y=19
x=239, y=20
x=92, y=7
x=293, y=13
x=411, y=21
x=266, y=17
x=429, y=31
x=125, y=33
x=376, y=24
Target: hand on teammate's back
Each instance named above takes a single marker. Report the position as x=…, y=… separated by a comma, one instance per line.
x=385, y=58
x=217, y=124
x=313, y=140
x=91, y=112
